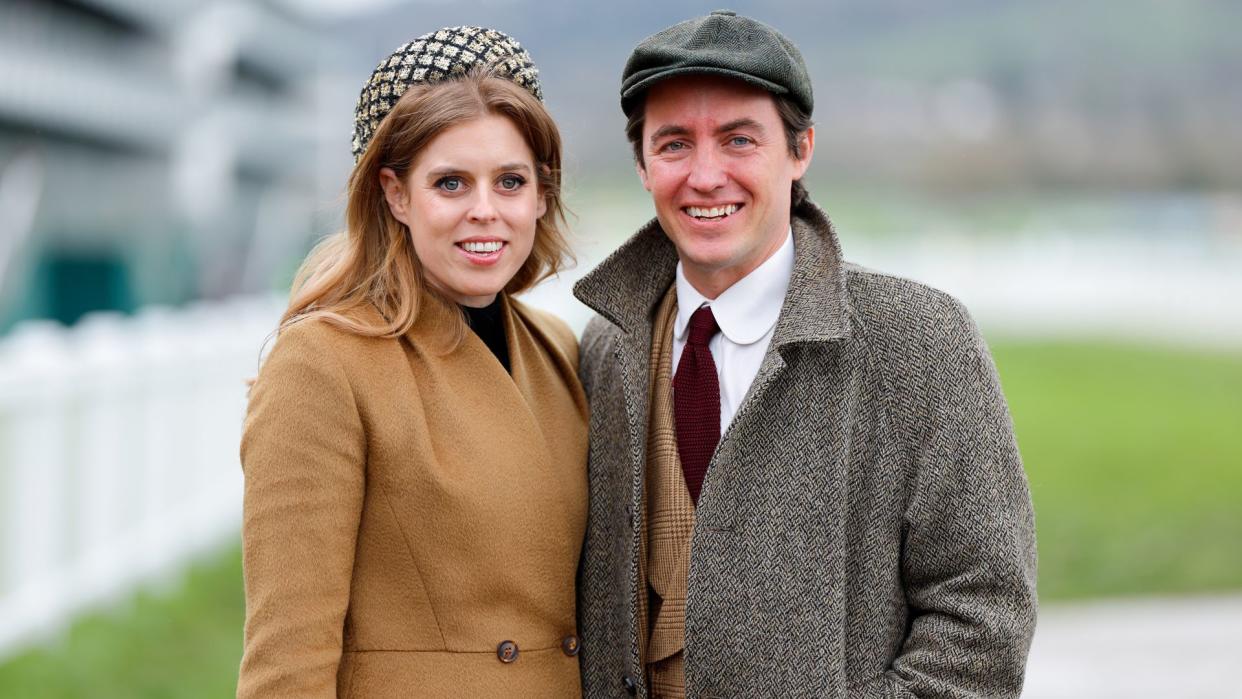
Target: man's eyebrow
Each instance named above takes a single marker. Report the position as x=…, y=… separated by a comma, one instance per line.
x=743, y=123
x=678, y=130
x=668, y=130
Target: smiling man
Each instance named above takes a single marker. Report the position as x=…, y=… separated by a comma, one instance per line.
x=803, y=475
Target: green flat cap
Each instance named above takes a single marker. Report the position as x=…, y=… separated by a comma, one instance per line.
x=721, y=43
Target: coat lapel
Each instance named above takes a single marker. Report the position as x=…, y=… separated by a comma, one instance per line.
x=518, y=392
x=815, y=310
x=626, y=289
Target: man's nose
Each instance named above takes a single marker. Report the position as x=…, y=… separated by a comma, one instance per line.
x=707, y=172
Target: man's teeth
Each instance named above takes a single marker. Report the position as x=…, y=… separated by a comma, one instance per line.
x=713, y=212
x=490, y=246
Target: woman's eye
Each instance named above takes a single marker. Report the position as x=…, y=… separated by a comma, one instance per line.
x=511, y=182
x=449, y=184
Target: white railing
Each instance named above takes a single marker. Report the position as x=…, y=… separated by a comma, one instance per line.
x=118, y=453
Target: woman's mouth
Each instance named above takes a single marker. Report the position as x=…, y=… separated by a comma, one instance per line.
x=482, y=251
x=711, y=213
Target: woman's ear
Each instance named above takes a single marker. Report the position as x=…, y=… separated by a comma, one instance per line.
x=395, y=194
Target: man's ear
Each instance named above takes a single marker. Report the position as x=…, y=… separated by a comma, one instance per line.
x=395, y=195
x=806, y=148
x=642, y=175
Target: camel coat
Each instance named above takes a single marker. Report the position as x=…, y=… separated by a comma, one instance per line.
x=407, y=511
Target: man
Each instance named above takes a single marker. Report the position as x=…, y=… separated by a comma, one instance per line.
x=803, y=476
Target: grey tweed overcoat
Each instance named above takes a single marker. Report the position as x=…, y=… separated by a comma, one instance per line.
x=865, y=527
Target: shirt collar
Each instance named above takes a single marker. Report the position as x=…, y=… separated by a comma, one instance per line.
x=747, y=310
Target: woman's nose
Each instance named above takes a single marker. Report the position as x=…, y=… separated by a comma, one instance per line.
x=482, y=208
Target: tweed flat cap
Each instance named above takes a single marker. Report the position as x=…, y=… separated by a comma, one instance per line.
x=435, y=57
x=721, y=43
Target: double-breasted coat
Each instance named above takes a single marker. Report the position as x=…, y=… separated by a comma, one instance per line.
x=864, y=528
x=409, y=510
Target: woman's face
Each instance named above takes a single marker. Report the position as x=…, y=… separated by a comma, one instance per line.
x=470, y=200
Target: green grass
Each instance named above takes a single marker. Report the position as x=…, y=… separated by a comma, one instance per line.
x=182, y=643
x=1134, y=461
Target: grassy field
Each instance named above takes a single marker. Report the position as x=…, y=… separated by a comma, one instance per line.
x=183, y=643
x=1135, y=467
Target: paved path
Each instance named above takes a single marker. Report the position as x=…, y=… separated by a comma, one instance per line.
x=1166, y=648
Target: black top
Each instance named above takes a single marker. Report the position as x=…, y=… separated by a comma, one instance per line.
x=488, y=323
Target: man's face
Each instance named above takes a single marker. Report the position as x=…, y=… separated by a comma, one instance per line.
x=719, y=170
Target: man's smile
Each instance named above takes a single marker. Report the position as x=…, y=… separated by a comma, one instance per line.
x=712, y=213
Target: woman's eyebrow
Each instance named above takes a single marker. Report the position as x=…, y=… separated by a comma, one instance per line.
x=446, y=170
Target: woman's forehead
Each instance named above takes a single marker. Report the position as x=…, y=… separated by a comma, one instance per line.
x=487, y=143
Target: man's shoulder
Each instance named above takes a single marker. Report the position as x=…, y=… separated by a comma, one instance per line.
x=598, y=337
x=893, y=307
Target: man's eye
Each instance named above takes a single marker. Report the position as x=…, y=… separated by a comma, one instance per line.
x=511, y=182
x=674, y=146
x=740, y=140
x=449, y=184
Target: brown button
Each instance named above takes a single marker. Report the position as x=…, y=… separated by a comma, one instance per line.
x=507, y=651
x=569, y=645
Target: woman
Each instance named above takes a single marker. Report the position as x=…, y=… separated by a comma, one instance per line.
x=416, y=486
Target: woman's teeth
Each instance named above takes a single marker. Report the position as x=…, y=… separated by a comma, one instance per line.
x=489, y=246
x=712, y=212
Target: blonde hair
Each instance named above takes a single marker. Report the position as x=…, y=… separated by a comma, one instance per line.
x=372, y=262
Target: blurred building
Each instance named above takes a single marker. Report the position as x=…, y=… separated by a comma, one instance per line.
x=156, y=152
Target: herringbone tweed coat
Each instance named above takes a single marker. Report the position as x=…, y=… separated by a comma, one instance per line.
x=865, y=527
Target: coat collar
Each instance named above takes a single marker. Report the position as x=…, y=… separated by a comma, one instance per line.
x=627, y=287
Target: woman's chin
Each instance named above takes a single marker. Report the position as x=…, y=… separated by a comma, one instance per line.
x=477, y=295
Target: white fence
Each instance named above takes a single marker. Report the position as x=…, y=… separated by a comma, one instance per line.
x=118, y=453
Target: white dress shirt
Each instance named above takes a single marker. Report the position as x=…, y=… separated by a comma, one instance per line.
x=746, y=313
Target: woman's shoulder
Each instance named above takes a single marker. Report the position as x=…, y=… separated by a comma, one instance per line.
x=549, y=326
x=329, y=332
x=321, y=339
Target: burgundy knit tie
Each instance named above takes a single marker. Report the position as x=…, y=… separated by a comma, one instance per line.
x=696, y=401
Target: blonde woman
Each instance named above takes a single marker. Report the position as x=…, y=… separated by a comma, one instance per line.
x=415, y=446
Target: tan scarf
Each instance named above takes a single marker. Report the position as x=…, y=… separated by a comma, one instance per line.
x=668, y=523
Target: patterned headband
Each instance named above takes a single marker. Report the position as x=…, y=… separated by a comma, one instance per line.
x=435, y=57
